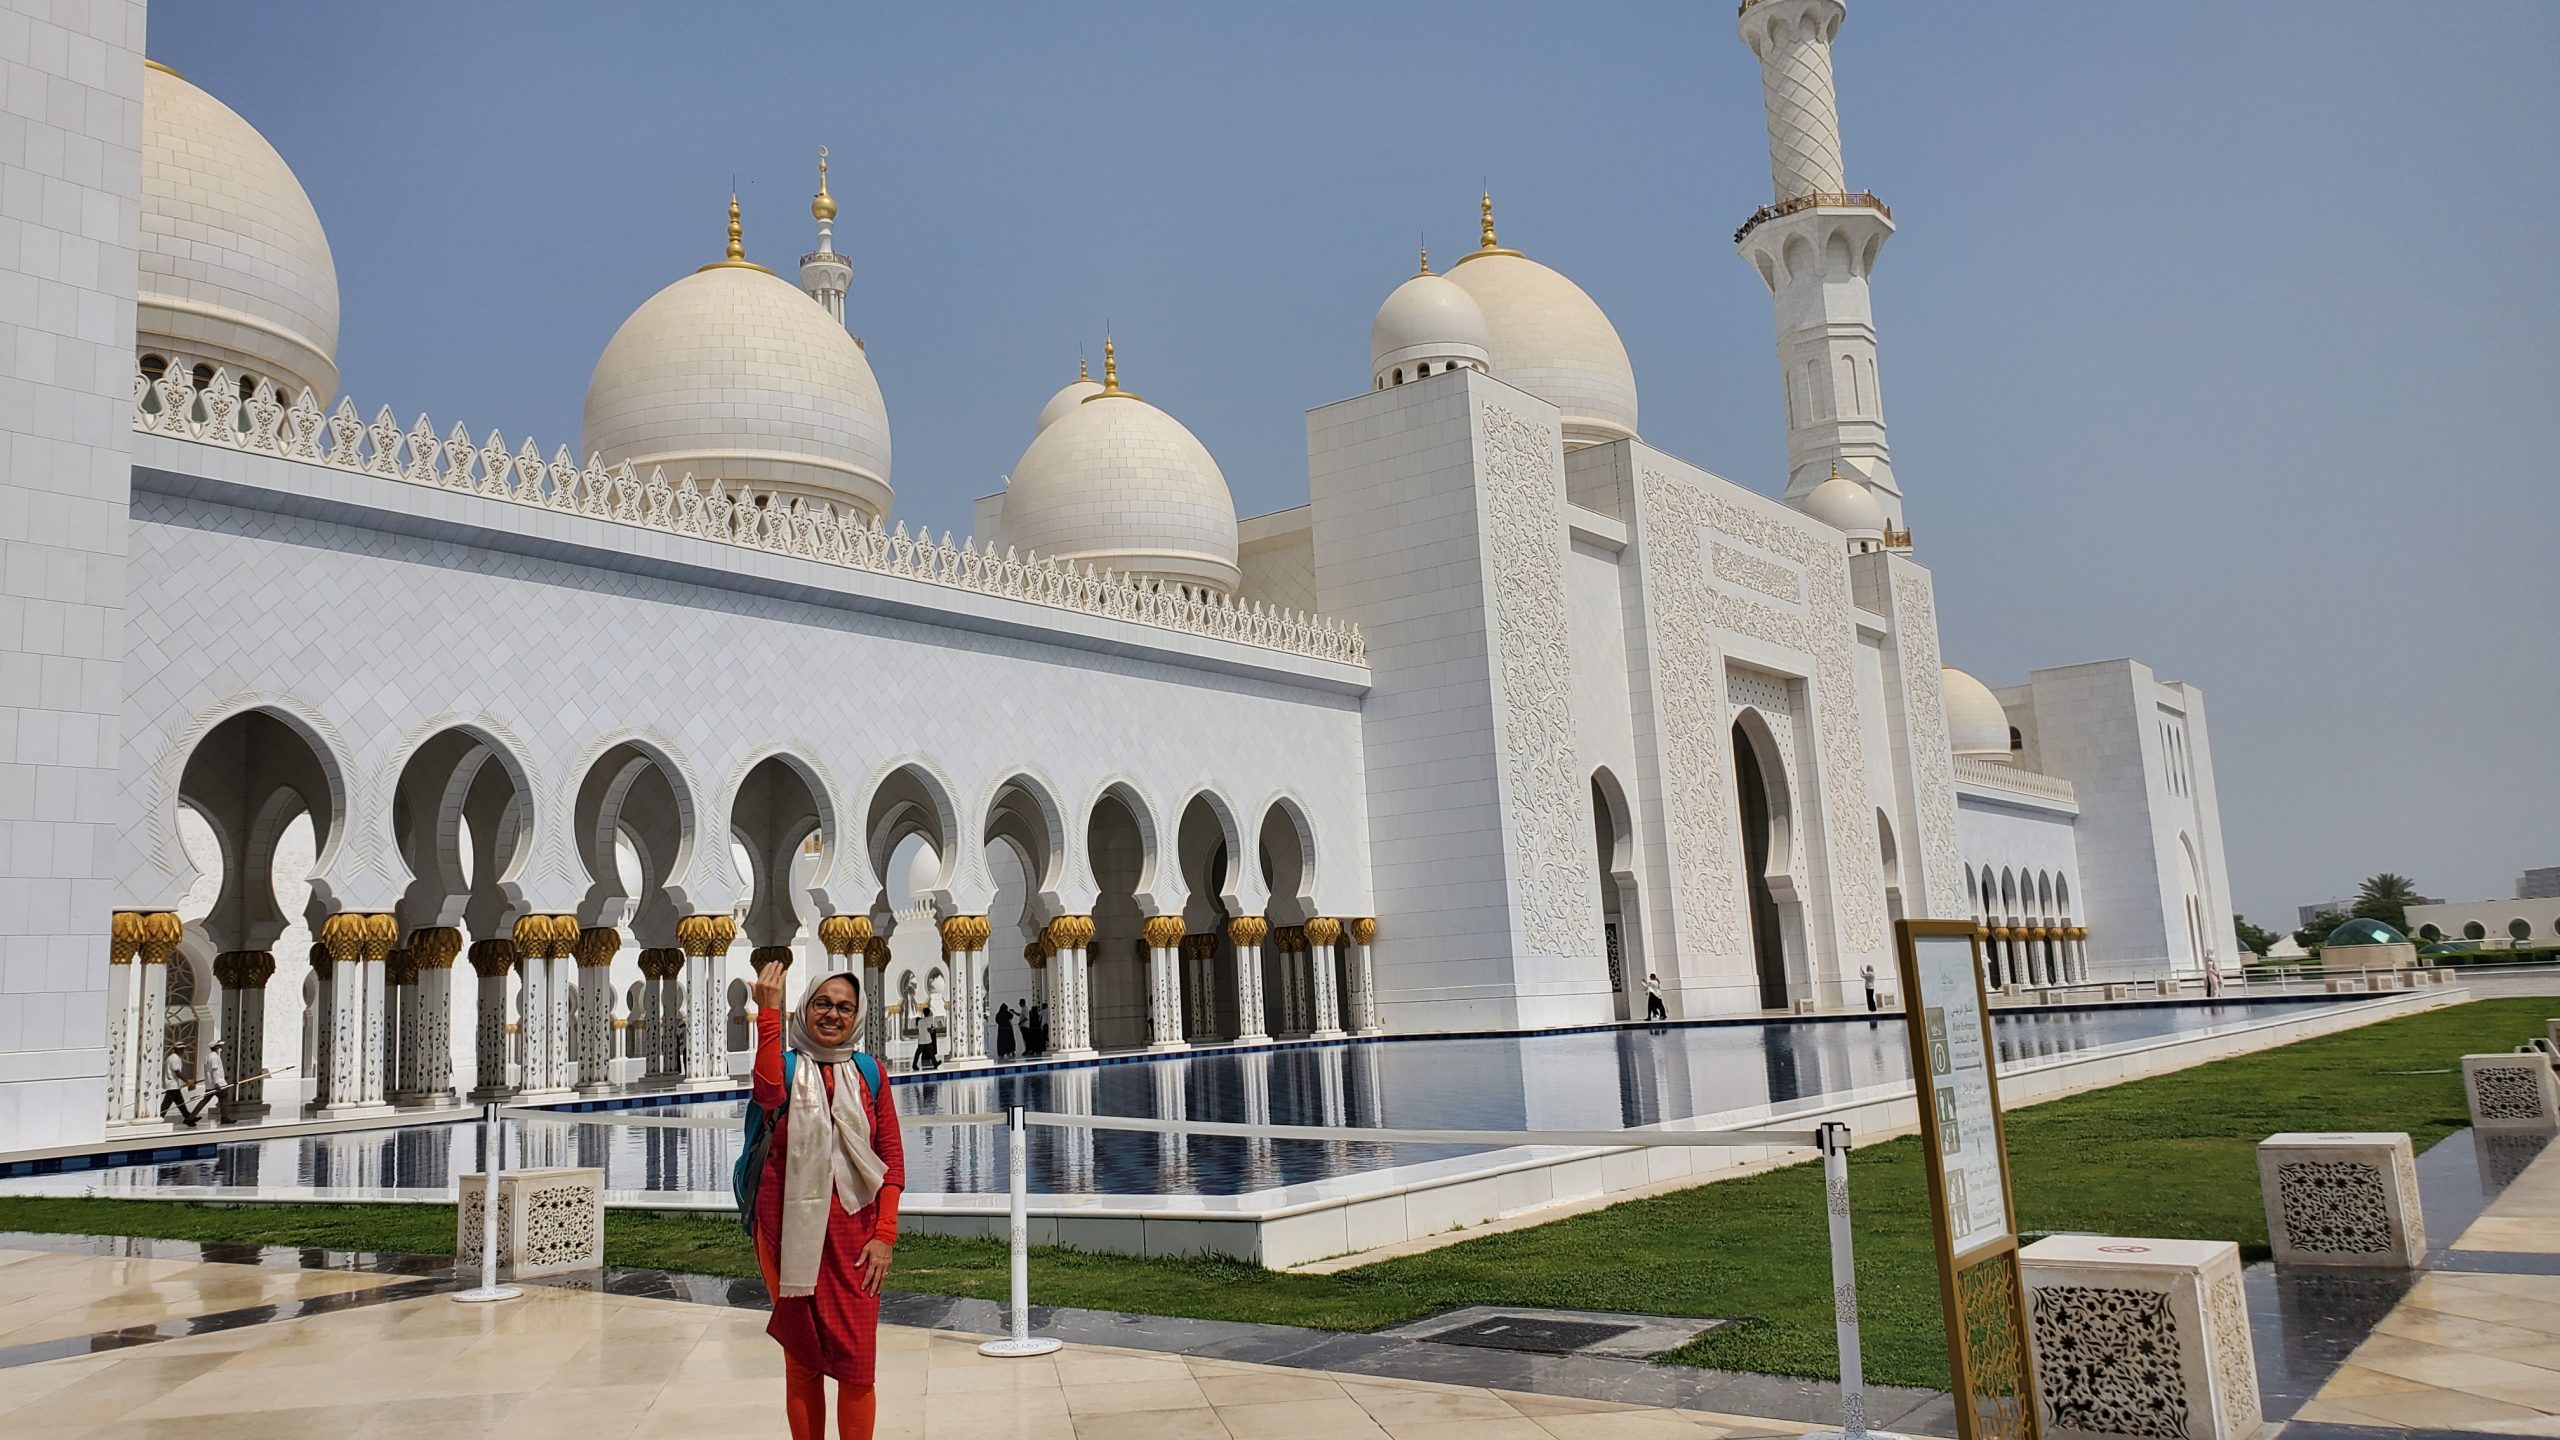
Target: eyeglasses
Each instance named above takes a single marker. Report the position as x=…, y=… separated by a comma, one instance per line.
x=830, y=1007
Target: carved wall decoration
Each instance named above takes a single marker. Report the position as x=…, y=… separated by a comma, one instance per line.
x=2107, y=1360
x=1933, y=786
x=1551, y=831
x=1751, y=572
x=2235, y=1362
x=341, y=440
x=2506, y=1092
x=2335, y=1206
x=1688, y=613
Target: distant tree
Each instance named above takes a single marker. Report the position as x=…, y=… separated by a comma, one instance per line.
x=2387, y=897
x=2253, y=939
x=2310, y=936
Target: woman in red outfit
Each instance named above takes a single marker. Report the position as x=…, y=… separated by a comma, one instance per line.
x=827, y=1209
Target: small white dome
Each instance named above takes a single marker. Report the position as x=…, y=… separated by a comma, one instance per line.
x=733, y=373
x=1065, y=401
x=1845, y=506
x=234, y=268
x=1548, y=338
x=1427, y=320
x=1118, y=484
x=1977, y=725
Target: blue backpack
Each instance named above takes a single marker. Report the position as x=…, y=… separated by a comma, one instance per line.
x=747, y=1179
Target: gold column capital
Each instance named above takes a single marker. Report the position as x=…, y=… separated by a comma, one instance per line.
x=845, y=934
x=400, y=965
x=244, y=969
x=875, y=951
x=764, y=955
x=1248, y=929
x=1289, y=939
x=158, y=933
x=966, y=932
x=321, y=959
x=1070, y=932
x=354, y=935
x=1163, y=932
x=660, y=961
x=597, y=946
x=706, y=935
x=1364, y=930
x=124, y=936
x=1323, y=930
x=1035, y=956
x=493, y=957
x=436, y=947
x=545, y=937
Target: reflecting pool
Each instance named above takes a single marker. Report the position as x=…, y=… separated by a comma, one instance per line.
x=1581, y=1080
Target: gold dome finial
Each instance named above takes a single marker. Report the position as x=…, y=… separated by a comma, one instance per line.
x=824, y=206
x=737, y=232
x=1081, y=372
x=1110, y=374
x=1426, y=261
x=1490, y=246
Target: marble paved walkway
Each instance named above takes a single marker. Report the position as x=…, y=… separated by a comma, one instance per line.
x=2475, y=1344
x=608, y=1367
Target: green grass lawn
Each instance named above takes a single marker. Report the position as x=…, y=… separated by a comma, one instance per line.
x=2170, y=1157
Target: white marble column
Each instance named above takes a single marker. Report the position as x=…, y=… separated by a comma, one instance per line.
x=1364, y=976
x=1164, y=982
x=160, y=932
x=124, y=1014
x=875, y=993
x=706, y=940
x=1288, y=950
x=1072, y=1012
x=1247, y=932
x=1200, y=986
x=847, y=939
x=1323, y=933
x=596, y=949
x=243, y=975
x=491, y=960
x=542, y=1003
x=964, y=941
x=401, y=1012
x=359, y=944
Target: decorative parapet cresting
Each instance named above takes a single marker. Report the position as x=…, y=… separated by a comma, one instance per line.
x=2005, y=777
x=207, y=404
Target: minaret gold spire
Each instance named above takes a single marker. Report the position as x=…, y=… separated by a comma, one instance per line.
x=1081, y=372
x=1426, y=261
x=1490, y=246
x=1110, y=374
x=824, y=206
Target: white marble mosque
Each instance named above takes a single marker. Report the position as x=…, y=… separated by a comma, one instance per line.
x=313, y=698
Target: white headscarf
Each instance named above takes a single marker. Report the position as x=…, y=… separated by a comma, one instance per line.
x=827, y=1153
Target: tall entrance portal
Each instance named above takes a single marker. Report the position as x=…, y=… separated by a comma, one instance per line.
x=1768, y=938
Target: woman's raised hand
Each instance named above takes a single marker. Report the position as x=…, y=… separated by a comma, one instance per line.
x=768, y=991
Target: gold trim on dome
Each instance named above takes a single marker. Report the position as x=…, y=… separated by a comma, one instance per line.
x=150, y=64
x=736, y=259
x=1491, y=246
x=1110, y=375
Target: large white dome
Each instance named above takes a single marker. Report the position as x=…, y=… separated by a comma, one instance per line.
x=1064, y=403
x=234, y=267
x=1846, y=506
x=1120, y=485
x=733, y=373
x=1429, y=320
x=1548, y=338
x=1977, y=725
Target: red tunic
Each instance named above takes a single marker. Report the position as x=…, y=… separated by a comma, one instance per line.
x=835, y=1331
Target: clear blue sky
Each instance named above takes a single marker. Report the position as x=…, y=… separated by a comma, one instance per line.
x=2218, y=335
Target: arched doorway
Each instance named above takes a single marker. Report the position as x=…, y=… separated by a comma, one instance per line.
x=1613, y=827
x=1761, y=819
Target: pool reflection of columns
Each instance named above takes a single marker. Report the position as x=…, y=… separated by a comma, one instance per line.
x=491, y=960
x=1246, y=932
x=1260, y=1164
x=964, y=940
x=1072, y=1094
x=243, y=976
x=1332, y=1062
x=359, y=942
x=1071, y=984
x=1164, y=982
x=706, y=940
x=1364, y=976
x=1173, y=1151
x=1323, y=933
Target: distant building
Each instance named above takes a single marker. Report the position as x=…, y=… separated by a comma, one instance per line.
x=2539, y=884
x=2496, y=922
x=2310, y=913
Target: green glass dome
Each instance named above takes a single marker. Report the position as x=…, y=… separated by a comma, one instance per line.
x=2364, y=932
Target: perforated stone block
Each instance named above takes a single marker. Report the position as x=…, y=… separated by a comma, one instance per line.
x=2512, y=1094
x=2165, y=987
x=2140, y=1338
x=549, y=1221
x=2119, y=992
x=2347, y=1198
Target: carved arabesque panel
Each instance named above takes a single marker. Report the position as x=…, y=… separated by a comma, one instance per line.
x=2107, y=1360
x=2334, y=1207
x=1933, y=782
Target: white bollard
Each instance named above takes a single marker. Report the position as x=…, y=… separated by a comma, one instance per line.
x=1834, y=1141
x=489, y=1289
x=1021, y=1342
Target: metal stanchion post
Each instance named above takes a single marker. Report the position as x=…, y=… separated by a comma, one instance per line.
x=1833, y=1139
x=1021, y=1342
x=489, y=1289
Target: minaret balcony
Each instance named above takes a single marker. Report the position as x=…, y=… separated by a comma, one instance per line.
x=1818, y=200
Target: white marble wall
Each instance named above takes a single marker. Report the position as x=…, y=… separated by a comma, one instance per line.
x=70, y=219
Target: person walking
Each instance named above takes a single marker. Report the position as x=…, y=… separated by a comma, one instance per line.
x=928, y=1054
x=217, y=1090
x=1868, y=974
x=173, y=1088
x=1004, y=1032
x=826, y=1209
x=1653, y=998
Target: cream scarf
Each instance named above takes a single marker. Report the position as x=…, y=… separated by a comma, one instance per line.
x=828, y=1155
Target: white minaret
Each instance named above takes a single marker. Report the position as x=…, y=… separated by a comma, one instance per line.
x=1814, y=246
x=825, y=274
